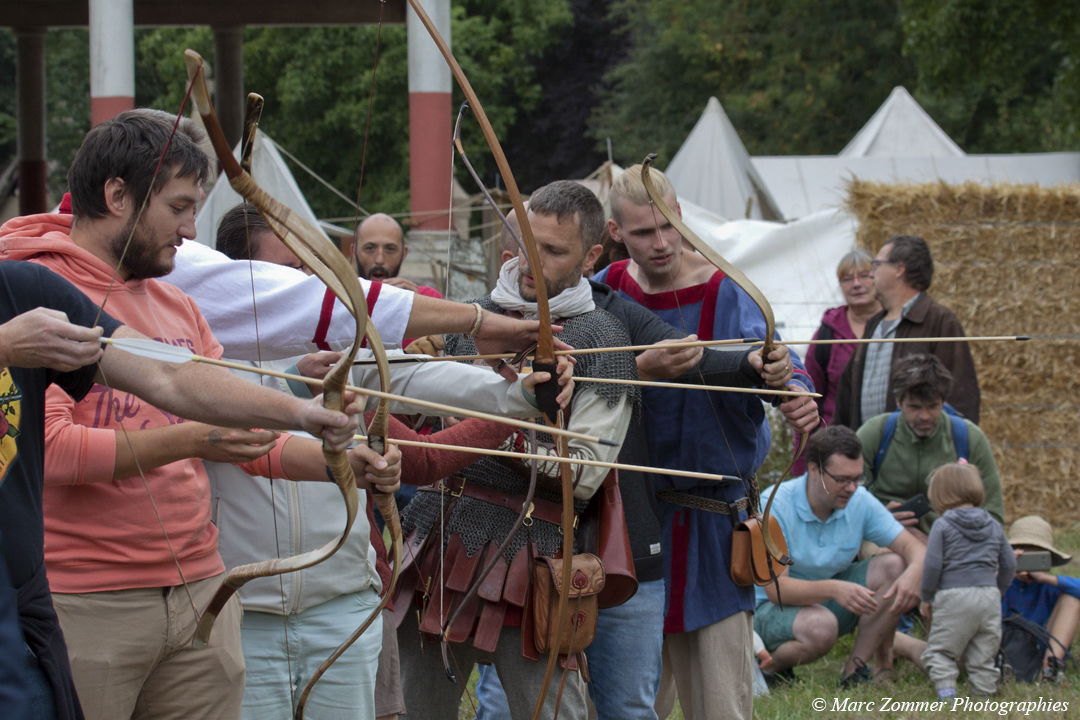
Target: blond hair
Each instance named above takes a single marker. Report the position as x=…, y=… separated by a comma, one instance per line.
x=853, y=262
x=956, y=484
x=629, y=188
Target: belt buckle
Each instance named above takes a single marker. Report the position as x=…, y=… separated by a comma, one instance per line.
x=457, y=493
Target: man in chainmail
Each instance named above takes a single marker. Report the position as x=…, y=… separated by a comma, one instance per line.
x=452, y=534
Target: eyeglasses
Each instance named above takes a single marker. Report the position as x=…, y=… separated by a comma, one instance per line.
x=877, y=263
x=860, y=480
x=849, y=279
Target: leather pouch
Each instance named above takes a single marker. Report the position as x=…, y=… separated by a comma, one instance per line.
x=620, y=579
x=578, y=628
x=751, y=563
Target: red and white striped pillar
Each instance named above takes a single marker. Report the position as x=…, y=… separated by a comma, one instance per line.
x=430, y=120
x=112, y=58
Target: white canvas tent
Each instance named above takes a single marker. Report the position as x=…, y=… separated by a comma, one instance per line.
x=808, y=184
x=901, y=128
x=272, y=175
x=901, y=144
x=713, y=170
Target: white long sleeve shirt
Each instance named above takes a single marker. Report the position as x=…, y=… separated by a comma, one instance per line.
x=293, y=309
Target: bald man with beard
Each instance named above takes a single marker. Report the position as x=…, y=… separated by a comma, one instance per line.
x=380, y=250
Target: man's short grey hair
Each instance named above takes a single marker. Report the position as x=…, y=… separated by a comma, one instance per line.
x=569, y=200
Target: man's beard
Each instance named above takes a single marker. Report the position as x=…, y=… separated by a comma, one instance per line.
x=554, y=285
x=386, y=274
x=141, y=259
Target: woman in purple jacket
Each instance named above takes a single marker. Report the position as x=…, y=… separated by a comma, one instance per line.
x=825, y=363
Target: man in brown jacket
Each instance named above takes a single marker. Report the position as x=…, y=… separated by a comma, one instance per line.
x=903, y=270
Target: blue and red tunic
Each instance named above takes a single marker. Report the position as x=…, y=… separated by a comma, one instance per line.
x=722, y=433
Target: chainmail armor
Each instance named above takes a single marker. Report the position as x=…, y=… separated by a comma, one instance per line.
x=478, y=522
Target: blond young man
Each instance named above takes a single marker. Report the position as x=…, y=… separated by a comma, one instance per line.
x=707, y=644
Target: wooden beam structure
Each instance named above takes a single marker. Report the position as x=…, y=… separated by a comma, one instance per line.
x=249, y=13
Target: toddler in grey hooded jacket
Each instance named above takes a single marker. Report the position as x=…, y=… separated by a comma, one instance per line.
x=968, y=567
x=967, y=548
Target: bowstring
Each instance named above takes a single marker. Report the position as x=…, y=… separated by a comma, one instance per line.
x=270, y=468
x=101, y=369
x=145, y=202
x=367, y=129
x=153, y=504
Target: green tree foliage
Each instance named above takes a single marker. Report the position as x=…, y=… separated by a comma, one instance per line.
x=67, y=102
x=569, y=75
x=317, y=83
x=67, y=99
x=795, y=76
x=1003, y=75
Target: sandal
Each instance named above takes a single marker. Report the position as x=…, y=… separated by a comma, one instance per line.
x=859, y=676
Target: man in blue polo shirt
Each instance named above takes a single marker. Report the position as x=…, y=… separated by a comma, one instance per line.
x=825, y=515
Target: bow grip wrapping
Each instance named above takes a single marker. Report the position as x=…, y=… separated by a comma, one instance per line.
x=547, y=393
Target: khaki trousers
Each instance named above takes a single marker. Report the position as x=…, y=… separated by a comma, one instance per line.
x=712, y=670
x=966, y=624
x=131, y=653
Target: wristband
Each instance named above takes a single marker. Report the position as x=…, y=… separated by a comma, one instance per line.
x=479, y=320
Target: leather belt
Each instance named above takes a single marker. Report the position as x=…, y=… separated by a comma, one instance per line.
x=699, y=503
x=544, y=510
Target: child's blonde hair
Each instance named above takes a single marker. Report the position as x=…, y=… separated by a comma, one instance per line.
x=956, y=484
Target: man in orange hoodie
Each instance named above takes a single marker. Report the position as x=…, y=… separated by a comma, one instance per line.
x=128, y=543
x=46, y=339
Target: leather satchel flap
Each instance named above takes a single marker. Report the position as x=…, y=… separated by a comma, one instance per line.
x=750, y=559
x=587, y=578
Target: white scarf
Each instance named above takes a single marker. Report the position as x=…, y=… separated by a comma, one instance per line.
x=569, y=303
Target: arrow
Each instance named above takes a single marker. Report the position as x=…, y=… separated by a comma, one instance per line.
x=154, y=350
x=558, y=459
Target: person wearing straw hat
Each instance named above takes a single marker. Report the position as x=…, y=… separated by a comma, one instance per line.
x=1052, y=601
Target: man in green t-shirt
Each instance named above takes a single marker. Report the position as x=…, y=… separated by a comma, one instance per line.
x=923, y=440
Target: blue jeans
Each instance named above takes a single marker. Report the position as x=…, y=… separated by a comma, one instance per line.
x=625, y=661
x=345, y=692
x=40, y=704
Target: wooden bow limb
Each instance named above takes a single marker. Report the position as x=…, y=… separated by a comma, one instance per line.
x=329, y=265
x=561, y=459
x=740, y=279
x=545, y=360
x=335, y=381
x=251, y=125
x=378, y=428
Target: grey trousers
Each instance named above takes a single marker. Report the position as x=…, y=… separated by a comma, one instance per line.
x=966, y=624
x=429, y=695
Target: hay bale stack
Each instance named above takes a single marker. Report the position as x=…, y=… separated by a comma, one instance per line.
x=1006, y=258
